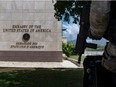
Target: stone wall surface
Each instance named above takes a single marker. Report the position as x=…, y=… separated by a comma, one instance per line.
x=28, y=27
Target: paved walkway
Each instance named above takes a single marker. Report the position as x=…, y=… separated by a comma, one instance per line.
x=64, y=64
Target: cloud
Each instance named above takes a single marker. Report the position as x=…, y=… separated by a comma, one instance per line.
x=71, y=30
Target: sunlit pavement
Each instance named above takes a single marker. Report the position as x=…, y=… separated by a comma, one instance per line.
x=64, y=64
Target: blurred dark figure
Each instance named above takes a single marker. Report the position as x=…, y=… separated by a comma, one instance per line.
x=103, y=24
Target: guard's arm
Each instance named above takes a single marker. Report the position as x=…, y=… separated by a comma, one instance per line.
x=99, y=18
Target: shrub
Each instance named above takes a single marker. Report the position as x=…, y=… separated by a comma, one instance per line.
x=67, y=49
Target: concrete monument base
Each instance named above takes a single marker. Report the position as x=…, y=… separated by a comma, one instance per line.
x=29, y=32
x=31, y=56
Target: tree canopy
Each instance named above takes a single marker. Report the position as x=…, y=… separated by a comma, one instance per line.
x=68, y=8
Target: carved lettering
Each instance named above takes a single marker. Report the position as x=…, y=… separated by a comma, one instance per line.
x=26, y=28
x=32, y=45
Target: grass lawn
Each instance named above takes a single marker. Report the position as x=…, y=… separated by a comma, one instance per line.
x=75, y=57
x=41, y=77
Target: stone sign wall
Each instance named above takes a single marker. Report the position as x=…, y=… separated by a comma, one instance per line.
x=29, y=31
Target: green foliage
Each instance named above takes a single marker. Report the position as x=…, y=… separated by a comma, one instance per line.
x=67, y=49
x=68, y=8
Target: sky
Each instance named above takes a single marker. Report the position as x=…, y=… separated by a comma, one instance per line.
x=73, y=29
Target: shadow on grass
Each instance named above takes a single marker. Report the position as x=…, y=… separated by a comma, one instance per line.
x=42, y=78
